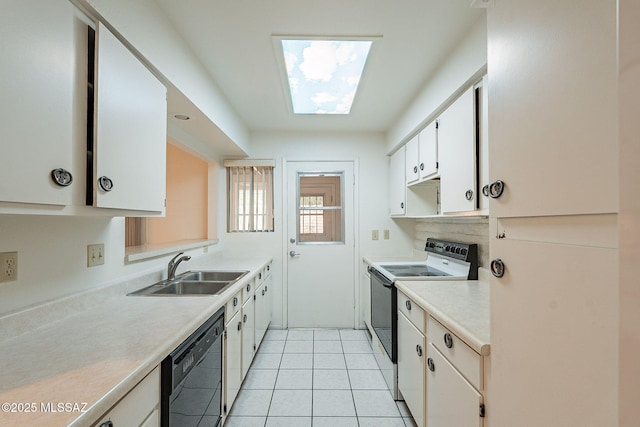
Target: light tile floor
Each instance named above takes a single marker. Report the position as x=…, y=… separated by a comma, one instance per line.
x=320, y=377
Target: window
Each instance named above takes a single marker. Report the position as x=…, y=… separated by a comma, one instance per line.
x=249, y=196
x=320, y=208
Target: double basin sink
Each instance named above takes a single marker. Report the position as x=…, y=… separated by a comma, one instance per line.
x=193, y=283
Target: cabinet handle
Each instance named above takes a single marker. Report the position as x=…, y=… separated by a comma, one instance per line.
x=268, y=267
x=402, y=205
x=431, y=365
x=497, y=267
x=469, y=195
x=107, y=424
x=448, y=340
x=408, y=304
x=415, y=169
x=61, y=177
x=263, y=292
x=419, y=350
x=421, y=166
x=485, y=190
x=239, y=325
x=244, y=319
x=496, y=189
x=235, y=301
x=105, y=183
x=248, y=287
x=259, y=276
x=266, y=289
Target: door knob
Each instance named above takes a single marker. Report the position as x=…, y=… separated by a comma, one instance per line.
x=293, y=254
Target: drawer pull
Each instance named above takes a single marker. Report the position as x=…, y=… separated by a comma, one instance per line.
x=408, y=305
x=419, y=350
x=448, y=340
x=431, y=365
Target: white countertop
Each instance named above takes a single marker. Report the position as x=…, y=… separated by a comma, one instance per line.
x=461, y=306
x=96, y=355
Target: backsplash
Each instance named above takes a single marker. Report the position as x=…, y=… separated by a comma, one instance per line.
x=457, y=229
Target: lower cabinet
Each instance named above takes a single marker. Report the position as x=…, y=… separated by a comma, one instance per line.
x=140, y=407
x=411, y=362
x=233, y=360
x=263, y=308
x=248, y=334
x=451, y=400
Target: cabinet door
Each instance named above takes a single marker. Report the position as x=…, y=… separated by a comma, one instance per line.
x=457, y=155
x=397, y=183
x=411, y=365
x=365, y=282
x=451, y=400
x=38, y=70
x=428, y=165
x=248, y=334
x=268, y=300
x=130, y=129
x=233, y=360
x=261, y=314
x=412, y=159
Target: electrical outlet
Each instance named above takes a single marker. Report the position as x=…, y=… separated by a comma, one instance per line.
x=374, y=234
x=8, y=266
x=95, y=255
x=385, y=233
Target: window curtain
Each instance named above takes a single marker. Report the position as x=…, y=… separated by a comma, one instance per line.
x=250, y=198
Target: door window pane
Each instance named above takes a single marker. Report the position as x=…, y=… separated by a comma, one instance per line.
x=320, y=208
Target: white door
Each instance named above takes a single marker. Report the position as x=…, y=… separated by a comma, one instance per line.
x=320, y=244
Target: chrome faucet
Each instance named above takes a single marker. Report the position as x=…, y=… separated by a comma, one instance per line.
x=173, y=265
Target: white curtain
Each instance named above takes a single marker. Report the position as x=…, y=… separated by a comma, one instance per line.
x=250, y=198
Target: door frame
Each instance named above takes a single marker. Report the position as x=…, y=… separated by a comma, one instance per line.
x=356, y=235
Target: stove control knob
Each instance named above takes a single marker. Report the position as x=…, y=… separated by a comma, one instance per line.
x=458, y=251
x=447, y=248
x=463, y=251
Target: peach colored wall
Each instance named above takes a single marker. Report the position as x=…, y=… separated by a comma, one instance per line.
x=187, y=200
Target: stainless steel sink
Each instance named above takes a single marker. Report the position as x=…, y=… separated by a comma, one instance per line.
x=192, y=288
x=193, y=283
x=211, y=276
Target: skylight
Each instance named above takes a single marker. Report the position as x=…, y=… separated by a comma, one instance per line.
x=323, y=75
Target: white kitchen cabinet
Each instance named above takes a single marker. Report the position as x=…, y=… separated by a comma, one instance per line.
x=248, y=333
x=451, y=400
x=457, y=155
x=365, y=285
x=428, y=151
x=397, y=183
x=482, y=112
x=38, y=68
x=412, y=160
x=411, y=367
x=130, y=125
x=140, y=407
x=233, y=360
x=263, y=305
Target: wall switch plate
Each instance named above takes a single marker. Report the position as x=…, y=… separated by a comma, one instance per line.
x=95, y=255
x=374, y=234
x=8, y=266
x=385, y=233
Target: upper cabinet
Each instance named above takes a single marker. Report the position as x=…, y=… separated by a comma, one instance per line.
x=428, y=152
x=38, y=68
x=129, y=134
x=83, y=120
x=397, y=183
x=457, y=151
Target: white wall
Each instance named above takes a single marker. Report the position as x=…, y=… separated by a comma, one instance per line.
x=52, y=257
x=369, y=149
x=465, y=65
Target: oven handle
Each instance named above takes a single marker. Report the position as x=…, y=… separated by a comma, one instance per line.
x=384, y=280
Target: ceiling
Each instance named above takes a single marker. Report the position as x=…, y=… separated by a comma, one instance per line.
x=233, y=40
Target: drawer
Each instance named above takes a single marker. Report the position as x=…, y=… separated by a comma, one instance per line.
x=459, y=354
x=410, y=309
x=233, y=306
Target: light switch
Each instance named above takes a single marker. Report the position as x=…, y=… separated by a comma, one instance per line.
x=95, y=255
x=374, y=234
x=385, y=233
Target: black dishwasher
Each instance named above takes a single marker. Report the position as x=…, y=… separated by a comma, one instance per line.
x=191, y=385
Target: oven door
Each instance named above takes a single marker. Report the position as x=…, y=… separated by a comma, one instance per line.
x=384, y=317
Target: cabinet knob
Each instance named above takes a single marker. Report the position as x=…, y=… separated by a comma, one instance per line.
x=415, y=169
x=485, y=190
x=107, y=424
x=61, y=177
x=496, y=189
x=419, y=350
x=408, y=304
x=469, y=195
x=497, y=267
x=259, y=276
x=402, y=205
x=268, y=267
x=421, y=166
x=244, y=319
x=105, y=183
x=266, y=289
x=431, y=365
x=448, y=340
x=248, y=287
x=263, y=292
x=235, y=301
x=239, y=325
